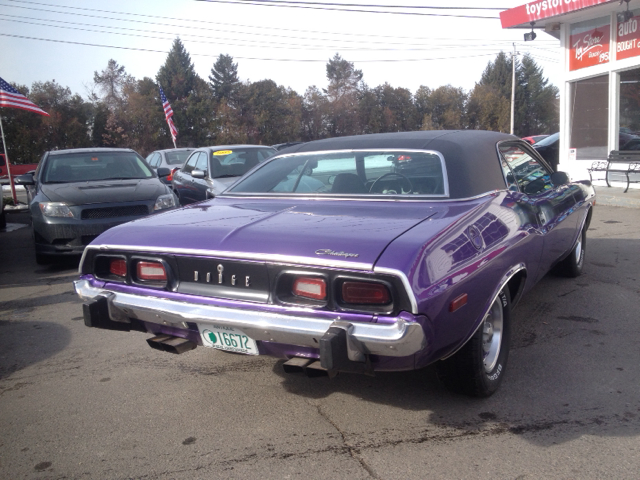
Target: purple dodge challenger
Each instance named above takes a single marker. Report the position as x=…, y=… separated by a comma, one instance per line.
x=382, y=252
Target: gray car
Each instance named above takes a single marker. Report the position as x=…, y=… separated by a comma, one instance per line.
x=172, y=158
x=75, y=195
x=210, y=170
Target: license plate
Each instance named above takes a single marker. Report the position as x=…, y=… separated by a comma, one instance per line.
x=227, y=338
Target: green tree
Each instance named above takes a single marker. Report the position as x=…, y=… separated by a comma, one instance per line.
x=177, y=76
x=424, y=108
x=314, y=113
x=537, y=101
x=342, y=94
x=190, y=98
x=448, y=108
x=111, y=82
x=224, y=79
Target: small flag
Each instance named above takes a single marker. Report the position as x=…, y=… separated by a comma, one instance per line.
x=168, y=113
x=10, y=97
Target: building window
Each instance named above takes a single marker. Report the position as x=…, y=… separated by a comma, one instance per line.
x=590, y=118
x=629, y=117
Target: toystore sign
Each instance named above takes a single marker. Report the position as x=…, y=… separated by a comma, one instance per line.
x=590, y=47
x=541, y=9
x=628, y=38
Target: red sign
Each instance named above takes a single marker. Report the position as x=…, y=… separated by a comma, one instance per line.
x=534, y=11
x=590, y=48
x=628, y=39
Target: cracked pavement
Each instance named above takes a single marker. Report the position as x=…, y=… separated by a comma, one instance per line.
x=80, y=403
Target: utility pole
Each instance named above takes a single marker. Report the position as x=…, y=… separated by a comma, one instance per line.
x=513, y=84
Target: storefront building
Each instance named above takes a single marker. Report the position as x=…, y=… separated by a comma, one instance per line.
x=600, y=88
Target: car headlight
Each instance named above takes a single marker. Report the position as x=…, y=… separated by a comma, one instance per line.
x=165, y=201
x=55, y=209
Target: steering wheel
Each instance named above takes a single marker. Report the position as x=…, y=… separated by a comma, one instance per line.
x=371, y=189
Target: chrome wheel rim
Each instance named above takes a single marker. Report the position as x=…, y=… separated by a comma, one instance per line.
x=492, y=328
x=578, y=252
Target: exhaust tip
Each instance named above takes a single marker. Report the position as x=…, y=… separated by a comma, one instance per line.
x=308, y=366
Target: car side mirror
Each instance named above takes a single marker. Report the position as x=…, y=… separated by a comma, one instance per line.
x=163, y=172
x=197, y=173
x=26, y=179
x=559, y=178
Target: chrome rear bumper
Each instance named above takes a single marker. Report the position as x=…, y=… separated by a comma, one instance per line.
x=399, y=339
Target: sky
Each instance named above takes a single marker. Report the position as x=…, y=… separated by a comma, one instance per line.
x=68, y=40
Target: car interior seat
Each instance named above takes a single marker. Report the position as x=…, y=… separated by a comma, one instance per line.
x=348, y=183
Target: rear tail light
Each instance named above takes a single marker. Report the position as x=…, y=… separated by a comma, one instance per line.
x=151, y=271
x=310, y=287
x=118, y=267
x=365, y=293
x=170, y=177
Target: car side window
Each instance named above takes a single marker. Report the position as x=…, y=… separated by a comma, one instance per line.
x=191, y=162
x=155, y=160
x=524, y=170
x=201, y=164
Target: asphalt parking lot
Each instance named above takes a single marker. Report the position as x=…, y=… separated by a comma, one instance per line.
x=77, y=402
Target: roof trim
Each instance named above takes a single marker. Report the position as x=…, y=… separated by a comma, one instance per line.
x=544, y=9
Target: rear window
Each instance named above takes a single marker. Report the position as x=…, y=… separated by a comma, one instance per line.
x=379, y=172
x=177, y=158
x=94, y=166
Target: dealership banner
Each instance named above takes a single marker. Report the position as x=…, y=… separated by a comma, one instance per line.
x=628, y=38
x=541, y=9
x=590, y=47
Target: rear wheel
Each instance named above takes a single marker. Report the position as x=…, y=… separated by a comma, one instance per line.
x=478, y=367
x=573, y=264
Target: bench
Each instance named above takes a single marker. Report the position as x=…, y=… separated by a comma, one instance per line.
x=619, y=161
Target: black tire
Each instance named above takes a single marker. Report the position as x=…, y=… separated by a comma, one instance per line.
x=572, y=265
x=478, y=367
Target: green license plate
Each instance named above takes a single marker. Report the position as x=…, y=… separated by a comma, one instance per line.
x=227, y=338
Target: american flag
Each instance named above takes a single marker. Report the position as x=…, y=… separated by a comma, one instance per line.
x=10, y=97
x=168, y=113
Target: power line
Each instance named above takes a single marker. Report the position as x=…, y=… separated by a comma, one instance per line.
x=259, y=43
x=353, y=10
x=392, y=60
x=191, y=26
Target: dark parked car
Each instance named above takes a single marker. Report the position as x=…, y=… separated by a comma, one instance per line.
x=383, y=252
x=282, y=146
x=77, y=194
x=172, y=159
x=549, y=148
x=210, y=170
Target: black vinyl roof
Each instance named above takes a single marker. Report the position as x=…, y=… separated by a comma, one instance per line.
x=471, y=156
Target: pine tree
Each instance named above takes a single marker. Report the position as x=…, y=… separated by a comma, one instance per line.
x=224, y=79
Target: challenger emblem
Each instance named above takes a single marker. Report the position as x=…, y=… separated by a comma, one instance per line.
x=328, y=251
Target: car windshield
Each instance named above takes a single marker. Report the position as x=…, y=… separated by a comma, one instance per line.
x=94, y=166
x=235, y=162
x=177, y=158
x=548, y=140
x=379, y=172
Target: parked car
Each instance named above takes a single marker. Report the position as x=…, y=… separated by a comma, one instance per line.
x=382, y=252
x=77, y=194
x=534, y=138
x=210, y=170
x=282, y=146
x=172, y=159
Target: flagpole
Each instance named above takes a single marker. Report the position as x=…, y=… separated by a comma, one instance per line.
x=6, y=159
